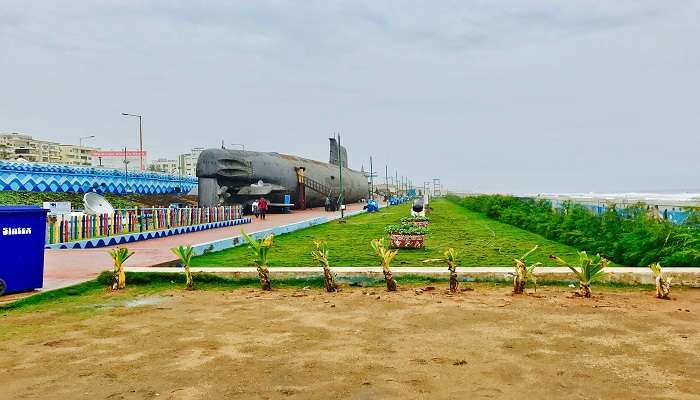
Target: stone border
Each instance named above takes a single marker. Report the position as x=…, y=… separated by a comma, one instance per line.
x=682, y=276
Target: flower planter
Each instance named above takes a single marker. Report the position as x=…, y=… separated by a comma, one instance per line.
x=422, y=224
x=399, y=241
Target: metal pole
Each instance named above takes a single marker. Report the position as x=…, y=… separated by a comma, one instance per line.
x=371, y=179
x=386, y=180
x=141, y=144
x=396, y=183
x=126, y=172
x=341, y=199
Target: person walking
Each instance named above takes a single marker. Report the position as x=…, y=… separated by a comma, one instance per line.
x=328, y=203
x=254, y=208
x=262, y=207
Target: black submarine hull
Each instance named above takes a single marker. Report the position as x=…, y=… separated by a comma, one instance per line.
x=232, y=171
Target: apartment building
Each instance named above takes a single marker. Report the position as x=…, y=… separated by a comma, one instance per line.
x=76, y=155
x=187, y=163
x=15, y=146
x=165, y=165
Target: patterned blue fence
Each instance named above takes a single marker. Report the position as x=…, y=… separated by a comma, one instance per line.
x=673, y=213
x=37, y=177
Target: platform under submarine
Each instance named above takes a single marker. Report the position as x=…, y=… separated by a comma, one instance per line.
x=240, y=176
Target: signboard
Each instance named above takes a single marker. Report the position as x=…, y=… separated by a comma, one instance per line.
x=57, y=207
x=118, y=159
x=119, y=153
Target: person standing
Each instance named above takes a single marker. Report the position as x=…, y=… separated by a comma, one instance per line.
x=254, y=208
x=262, y=207
x=328, y=203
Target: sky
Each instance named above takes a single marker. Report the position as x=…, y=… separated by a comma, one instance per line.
x=494, y=95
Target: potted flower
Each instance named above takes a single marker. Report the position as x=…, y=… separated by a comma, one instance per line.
x=417, y=221
x=406, y=236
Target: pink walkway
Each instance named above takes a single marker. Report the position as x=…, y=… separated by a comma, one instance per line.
x=65, y=267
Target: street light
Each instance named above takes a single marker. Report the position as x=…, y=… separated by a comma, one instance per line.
x=126, y=172
x=80, y=140
x=140, y=137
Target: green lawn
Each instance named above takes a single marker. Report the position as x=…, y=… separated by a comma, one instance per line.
x=479, y=241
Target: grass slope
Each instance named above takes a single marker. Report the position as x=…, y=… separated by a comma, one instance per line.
x=479, y=240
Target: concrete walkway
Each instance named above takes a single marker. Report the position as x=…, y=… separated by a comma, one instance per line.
x=685, y=276
x=66, y=267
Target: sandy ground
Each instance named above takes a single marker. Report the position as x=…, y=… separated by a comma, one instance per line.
x=362, y=343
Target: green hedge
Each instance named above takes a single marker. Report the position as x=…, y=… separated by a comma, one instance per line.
x=629, y=237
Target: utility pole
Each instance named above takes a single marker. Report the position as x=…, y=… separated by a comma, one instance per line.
x=143, y=167
x=126, y=172
x=341, y=198
x=386, y=180
x=397, y=183
x=371, y=179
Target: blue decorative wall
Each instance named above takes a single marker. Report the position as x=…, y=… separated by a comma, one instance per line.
x=37, y=177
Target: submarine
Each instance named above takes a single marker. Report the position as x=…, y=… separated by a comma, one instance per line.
x=240, y=176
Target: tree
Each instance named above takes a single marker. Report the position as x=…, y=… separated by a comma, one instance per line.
x=385, y=257
x=119, y=256
x=663, y=284
x=260, y=248
x=185, y=253
x=590, y=270
x=450, y=258
x=320, y=255
x=523, y=273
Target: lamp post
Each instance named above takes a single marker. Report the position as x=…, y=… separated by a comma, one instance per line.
x=341, y=199
x=80, y=140
x=126, y=172
x=140, y=137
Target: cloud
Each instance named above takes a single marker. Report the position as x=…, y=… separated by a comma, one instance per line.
x=526, y=95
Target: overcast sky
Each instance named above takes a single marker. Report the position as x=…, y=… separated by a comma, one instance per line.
x=511, y=96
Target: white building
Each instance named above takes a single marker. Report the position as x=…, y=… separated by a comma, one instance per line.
x=187, y=163
x=14, y=146
x=165, y=165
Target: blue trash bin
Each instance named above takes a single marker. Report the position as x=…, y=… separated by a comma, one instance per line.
x=22, y=238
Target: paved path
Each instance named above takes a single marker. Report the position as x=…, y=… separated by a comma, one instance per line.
x=65, y=267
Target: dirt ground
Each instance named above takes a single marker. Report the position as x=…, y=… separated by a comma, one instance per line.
x=362, y=343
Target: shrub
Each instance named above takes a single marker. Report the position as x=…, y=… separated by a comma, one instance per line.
x=406, y=229
x=632, y=236
x=417, y=218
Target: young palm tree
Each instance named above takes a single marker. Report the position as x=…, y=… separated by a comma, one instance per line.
x=185, y=253
x=385, y=256
x=450, y=258
x=590, y=270
x=523, y=273
x=663, y=284
x=119, y=256
x=260, y=248
x=320, y=255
